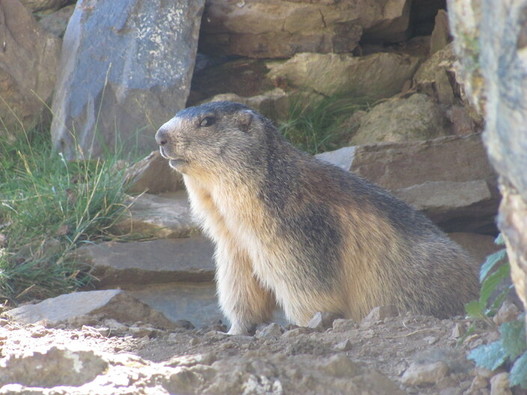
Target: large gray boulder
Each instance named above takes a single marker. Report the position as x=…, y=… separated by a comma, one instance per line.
x=279, y=29
x=125, y=69
x=491, y=41
x=28, y=64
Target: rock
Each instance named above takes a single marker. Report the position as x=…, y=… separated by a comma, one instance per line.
x=499, y=384
x=272, y=330
x=153, y=216
x=495, y=80
x=322, y=320
x=57, y=22
x=393, y=24
x=97, y=305
x=340, y=366
x=279, y=29
x=423, y=374
x=417, y=117
x=142, y=331
x=44, y=5
x=462, y=121
x=153, y=175
x=379, y=314
x=146, y=262
x=436, y=78
x=273, y=104
x=373, y=76
x=183, y=381
x=139, y=74
x=458, y=330
x=480, y=382
x=441, y=34
x=243, y=77
x=344, y=325
x=28, y=64
x=343, y=346
x=114, y=328
x=507, y=312
x=192, y=360
x=429, y=196
x=342, y=157
x=54, y=367
x=428, y=172
x=180, y=302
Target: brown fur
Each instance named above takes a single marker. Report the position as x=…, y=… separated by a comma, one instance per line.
x=307, y=235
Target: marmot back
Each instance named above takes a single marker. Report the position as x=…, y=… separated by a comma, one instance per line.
x=292, y=230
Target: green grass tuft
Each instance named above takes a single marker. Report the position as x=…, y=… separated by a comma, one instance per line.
x=48, y=207
x=318, y=126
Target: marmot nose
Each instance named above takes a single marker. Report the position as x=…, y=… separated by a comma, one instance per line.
x=162, y=136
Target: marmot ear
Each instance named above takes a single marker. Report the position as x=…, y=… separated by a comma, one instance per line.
x=245, y=118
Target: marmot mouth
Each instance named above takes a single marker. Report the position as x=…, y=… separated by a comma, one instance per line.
x=172, y=160
x=176, y=163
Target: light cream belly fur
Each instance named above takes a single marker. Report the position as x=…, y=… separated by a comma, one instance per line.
x=230, y=230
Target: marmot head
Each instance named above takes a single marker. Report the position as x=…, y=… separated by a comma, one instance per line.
x=212, y=136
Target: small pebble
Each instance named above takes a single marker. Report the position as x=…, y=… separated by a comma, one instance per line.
x=431, y=373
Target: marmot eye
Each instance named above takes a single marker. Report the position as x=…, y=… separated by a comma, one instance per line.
x=207, y=121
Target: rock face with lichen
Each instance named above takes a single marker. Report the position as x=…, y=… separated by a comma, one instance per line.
x=279, y=29
x=28, y=62
x=119, y=91
x=492, y=63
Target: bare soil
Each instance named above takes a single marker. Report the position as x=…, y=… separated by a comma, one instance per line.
x=376, y=356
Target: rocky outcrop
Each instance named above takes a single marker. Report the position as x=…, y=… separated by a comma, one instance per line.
x=106, y=98
x=28, y=64
x=492, y=61
x=375, y=76
x=279, y=29
x=417, y=117
x=449, y=179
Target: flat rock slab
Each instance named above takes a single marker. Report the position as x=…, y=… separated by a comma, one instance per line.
x=450, y=179
x=194, y=302
x=111, y=303
x=146, y=262
x=158, y=217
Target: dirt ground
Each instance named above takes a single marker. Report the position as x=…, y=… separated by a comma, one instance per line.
x=391, y=354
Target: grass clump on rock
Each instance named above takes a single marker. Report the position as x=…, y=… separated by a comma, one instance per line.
x=48, y=207
x=318, y=126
